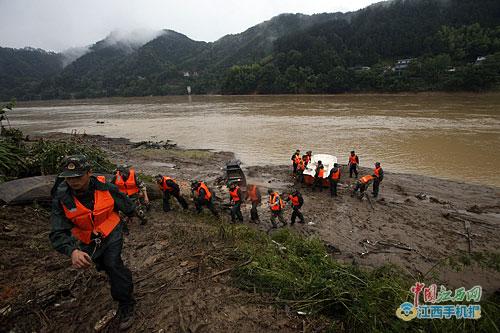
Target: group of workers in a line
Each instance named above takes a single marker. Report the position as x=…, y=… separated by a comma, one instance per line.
x=276, y=204
x=300, y=163
x=89, y=217
x=89, y=214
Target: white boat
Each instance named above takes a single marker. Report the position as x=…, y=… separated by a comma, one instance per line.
x=310, y=171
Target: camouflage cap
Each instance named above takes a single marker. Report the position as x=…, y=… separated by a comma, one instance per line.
x=74, y=166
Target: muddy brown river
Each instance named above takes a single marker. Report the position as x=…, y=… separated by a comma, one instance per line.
x=452, y=136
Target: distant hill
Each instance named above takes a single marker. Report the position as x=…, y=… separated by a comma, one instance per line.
x=22, y=70
x=450, y=44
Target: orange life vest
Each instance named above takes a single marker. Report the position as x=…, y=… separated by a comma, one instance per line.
x=101, y=220
x=276, y=206
x=376, y=171
x=129, y=187
x=307, y=159
x=164, y=186
x=352, y=159
x=365, y=179
x=336, y=175
x=208, y=195
x=321, y=173
x=301, y=165
x=252, y=193
x=294, y=199
x=102, y=179
x=297, y=159
x=234, y=194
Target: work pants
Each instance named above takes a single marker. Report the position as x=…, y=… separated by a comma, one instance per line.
x=236, y=212
x=254, y=215
x=199, y=203
x=333, y=187
x=277, y=214
x=353, y=168
x=318, y=181
x=376, y=186
x=107, y=258
x=175, y=194
x=297, y=213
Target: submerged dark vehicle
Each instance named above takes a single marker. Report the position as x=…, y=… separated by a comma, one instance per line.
x=235, y=174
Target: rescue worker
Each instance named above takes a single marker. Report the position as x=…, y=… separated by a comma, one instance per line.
x=235, y=200
x=202, y=196
x=300, y=171
x=378, y=175
x=126, y=180
x=295, y=161
x=353, y=164
x=86, y=227
x=362, y=185
x=169, y=187
x=334, y=178
x=318, y=176
x=297, y=201
x=307, y=157
x=276, y=205
x=253, y=194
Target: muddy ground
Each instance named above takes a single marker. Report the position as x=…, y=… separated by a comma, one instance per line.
x=181, y=266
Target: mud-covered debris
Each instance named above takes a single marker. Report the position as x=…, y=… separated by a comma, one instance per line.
x=101, y=324
x=421, y=196
x=9, y=227
x=475, y=209
x=154, y=145
x=438, y=201
x=5, y=310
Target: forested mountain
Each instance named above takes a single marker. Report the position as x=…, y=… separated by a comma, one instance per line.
x=22, y=70
x=447, y=44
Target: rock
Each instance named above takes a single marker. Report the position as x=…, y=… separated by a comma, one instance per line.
x=421, y=196
x=9, y=227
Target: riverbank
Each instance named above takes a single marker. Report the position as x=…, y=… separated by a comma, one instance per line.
x=181, y=261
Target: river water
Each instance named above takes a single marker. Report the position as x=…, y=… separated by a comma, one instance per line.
x=452, y=136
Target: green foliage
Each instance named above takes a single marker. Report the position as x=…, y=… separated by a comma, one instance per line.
x=46, y=156
x=12, y=162
x=299, y=272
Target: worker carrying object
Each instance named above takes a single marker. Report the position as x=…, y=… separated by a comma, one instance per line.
x=85, y=225
x=169, y=187
x=334, y=178
x=300, y=170
x=353, y=164
x=253, y=194
x=362, y=185
x=318, y=176
x=202, y=196
x=307, y=157
x=378, y=175
x=235, y=200
x=295, y=161
x=126, y=180
x=276, y=206
x=297, y=201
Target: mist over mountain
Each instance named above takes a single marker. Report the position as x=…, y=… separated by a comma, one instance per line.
x=290, y=53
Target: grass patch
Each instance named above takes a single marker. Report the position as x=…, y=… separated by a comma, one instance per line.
x=299, y=273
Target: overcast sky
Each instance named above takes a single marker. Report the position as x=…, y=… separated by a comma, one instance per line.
x=59, y=24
